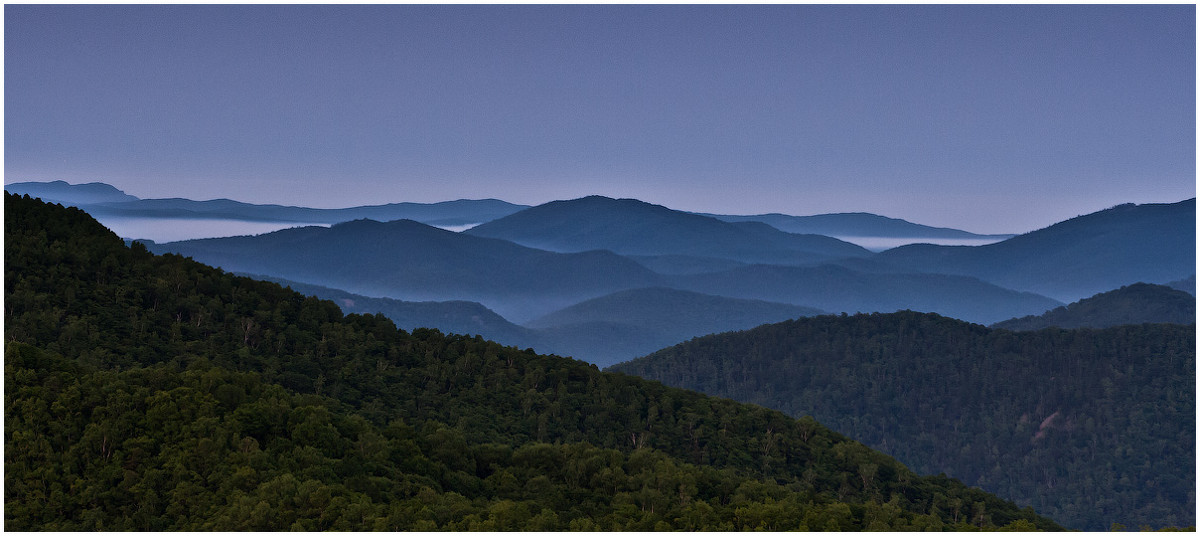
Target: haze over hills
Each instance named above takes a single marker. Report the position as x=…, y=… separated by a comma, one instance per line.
x=1094, y=427
x=603, y=331
x=120, y=210
x=632, y=227
x=415, y=262
x=661, y=316
x=839, y=289
x=613, y=245
x=859, y=224
x=1077, y=258
x=462, y=317
x=103, y=200
x=1139, y=303
x=412, y=261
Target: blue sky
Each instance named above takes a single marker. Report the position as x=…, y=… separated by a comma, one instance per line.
x=985, y=118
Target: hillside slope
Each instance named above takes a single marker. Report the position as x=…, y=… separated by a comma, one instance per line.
x=1140, y=303
x=149, y=392
x=1094, y=427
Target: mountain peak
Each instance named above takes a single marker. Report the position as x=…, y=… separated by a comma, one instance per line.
x=70, y=194
x=634, y=227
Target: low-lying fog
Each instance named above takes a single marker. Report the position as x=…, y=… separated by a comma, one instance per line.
x=880, y=243
x=174, y=229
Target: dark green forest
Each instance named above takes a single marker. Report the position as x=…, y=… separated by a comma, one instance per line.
x=149, y=392
x=1089, y=426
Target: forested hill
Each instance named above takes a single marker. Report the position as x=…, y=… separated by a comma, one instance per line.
x=1139, y=303
x=1092, y=427
x=149, y=392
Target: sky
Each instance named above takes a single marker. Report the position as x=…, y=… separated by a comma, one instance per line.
x=992, y=119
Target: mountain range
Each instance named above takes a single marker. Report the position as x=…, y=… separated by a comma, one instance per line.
x=154, y=393
x=1076, y=258
x=1090, y=425
x=411, y=261
x=102, y=199
x=632, y=227
x=856, y=224
x=603, y=331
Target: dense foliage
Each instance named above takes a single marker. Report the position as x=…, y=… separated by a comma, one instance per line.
x=1139, y=303
x=153, y=392
x=1092, y=427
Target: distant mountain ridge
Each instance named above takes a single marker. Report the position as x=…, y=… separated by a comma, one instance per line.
x=412, y=261
x=858, y=224
x=603, y=246
x=661, y=316
x=602, y=331
x=839, y=289
x=632, y=227
x=71, y=194
x=103, y=199
x=1139, y=303
x=1076, y=258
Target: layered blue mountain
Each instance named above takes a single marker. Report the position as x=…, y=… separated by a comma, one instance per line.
x=415, y=262
x=603, y=331
x=462, y=317
x=104, y=200
x=855, y=224
x=1139, y=303
x=632, y=227
x=643, y=320
x=1077, y=258
x=836, y=288
x=408, y=260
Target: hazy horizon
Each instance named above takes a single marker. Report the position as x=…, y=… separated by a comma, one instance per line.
x=989, y=119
